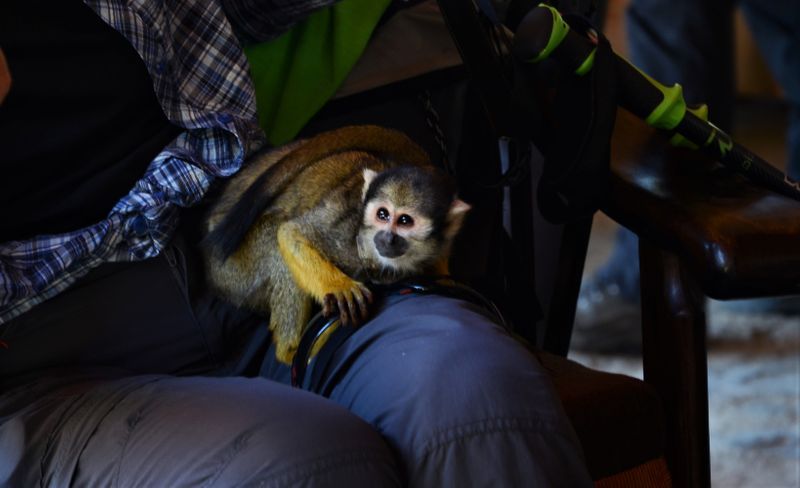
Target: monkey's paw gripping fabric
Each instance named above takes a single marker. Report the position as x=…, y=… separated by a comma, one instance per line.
x=352, y=303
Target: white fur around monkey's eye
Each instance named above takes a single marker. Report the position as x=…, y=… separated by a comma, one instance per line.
x=382, y=214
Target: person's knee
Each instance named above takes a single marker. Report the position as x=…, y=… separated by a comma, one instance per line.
x=446, y=385
x=445, y=353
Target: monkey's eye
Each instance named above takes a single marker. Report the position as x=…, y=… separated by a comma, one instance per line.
x=382, y=214
x=405, y=220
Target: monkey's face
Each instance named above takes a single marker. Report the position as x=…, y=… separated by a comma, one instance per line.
x=396, y=237
x=410, y=217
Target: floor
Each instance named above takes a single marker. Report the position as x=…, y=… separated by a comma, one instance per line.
x=753, y=359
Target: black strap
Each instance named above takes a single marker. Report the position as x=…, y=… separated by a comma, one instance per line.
x=316, y=328
x=486, y=69
x=575, y=142
x=574, y=182
x=484, y=48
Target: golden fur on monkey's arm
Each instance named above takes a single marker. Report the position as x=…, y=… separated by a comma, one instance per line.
x=320, y=278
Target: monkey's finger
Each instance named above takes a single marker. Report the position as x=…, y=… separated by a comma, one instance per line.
x=343, y=309
x=362, y=299
x=366, y=292
x=328, y=305
x=352, y=308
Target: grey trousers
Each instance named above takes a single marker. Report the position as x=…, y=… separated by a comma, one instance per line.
x=129, y=379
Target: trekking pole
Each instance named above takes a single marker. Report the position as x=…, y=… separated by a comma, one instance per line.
x=543, y=33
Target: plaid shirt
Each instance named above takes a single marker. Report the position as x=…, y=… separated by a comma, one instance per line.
x=200, y=76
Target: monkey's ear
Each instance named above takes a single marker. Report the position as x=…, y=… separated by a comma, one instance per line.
x=369, y=175
x=455, y=217
x=458, y=208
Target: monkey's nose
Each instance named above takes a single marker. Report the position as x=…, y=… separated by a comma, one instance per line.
x=389, y=244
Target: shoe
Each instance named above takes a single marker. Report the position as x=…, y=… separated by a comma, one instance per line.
x=606, y=322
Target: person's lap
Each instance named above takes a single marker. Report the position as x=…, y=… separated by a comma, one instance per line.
x=99, y=386
x=457, y=399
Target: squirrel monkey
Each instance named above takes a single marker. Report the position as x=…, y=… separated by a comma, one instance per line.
x=320, y=218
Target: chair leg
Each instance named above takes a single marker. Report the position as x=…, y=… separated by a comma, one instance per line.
x=674, y=360
x=564, y=277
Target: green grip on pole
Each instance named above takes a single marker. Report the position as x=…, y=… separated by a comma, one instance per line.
x=557, y=34
x=672, y=108
x=587, y=64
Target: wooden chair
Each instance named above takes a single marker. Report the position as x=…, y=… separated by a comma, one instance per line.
x=703, y=232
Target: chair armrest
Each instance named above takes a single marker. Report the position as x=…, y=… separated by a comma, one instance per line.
x=740, y=240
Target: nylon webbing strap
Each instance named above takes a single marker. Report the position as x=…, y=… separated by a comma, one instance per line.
x=482, y=62
x=487, y=71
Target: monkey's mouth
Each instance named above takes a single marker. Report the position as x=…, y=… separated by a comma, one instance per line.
x=391, y=252
x=386, y=270
x=381, y=267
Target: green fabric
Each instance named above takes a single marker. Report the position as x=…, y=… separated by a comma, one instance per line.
x=296, y=73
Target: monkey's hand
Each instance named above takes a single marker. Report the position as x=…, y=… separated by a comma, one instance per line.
x=352, y=304
x=321, y=279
